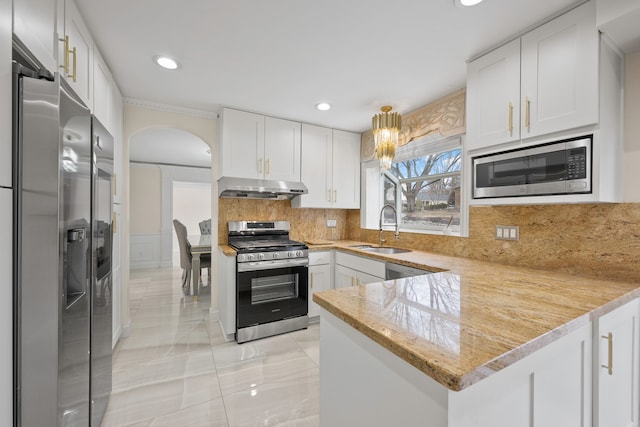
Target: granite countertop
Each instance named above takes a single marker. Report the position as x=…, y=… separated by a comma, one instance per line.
x=471, y=318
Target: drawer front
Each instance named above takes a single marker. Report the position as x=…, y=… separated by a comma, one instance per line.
x=319, y=258
x=366, y=265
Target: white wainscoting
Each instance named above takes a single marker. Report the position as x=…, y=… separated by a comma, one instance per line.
x=144, y=251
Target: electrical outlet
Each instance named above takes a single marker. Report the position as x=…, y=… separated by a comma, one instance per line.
x=332, y=223
x=504, y=232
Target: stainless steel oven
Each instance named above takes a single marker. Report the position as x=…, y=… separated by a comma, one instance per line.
x=271, y=279
x=560, y=167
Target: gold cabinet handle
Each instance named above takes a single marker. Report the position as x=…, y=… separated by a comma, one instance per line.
x=510, y=125
x=113, y=227
x=65, y=67
x=311, y=284
x=353, y=279
x=329, y=196
x=260, y=165
x=609, y=364
x=268, y=167
x=335, y=196
x=75, y=57
x=527, y=115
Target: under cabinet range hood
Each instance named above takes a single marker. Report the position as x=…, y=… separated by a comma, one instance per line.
x=247, y=188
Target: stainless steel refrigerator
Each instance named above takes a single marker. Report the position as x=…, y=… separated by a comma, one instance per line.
x=62, y=262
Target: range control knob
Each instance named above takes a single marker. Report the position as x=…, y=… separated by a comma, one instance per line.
x=299, y=254
x=260, y=256
x=250, y=257
x=276, y=255
x=291, y=254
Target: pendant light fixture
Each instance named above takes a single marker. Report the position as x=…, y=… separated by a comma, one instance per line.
x=386, y=128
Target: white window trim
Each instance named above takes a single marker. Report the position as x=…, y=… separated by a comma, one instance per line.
x=416, y=148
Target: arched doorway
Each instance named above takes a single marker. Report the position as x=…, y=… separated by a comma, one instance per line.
x=170, y=173
x=140, y=117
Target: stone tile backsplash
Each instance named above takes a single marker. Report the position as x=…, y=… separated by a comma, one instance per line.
x=601, y=240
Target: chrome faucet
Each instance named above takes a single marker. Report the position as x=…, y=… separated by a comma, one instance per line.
x=397, y=223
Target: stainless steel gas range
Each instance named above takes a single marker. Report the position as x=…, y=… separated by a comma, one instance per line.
x=271, y=279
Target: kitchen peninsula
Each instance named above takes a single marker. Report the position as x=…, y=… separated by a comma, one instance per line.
x=479, y=344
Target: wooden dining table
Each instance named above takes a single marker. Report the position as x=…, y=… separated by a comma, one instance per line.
x=200, y=245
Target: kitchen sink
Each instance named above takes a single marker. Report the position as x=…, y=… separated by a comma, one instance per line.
x=361, y=246
x=384, y=250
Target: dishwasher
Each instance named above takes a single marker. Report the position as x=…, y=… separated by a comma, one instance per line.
x=397, y=271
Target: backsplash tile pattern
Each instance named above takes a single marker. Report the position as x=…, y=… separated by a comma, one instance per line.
x=306, y=224
x=600, y=240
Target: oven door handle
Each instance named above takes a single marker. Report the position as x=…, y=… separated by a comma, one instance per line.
x=270, y=265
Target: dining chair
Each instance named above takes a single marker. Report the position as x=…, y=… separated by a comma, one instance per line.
x=185, y=257
x=205, y=226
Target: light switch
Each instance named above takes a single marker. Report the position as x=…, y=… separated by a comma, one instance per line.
x=332, y=223
x=513, y=233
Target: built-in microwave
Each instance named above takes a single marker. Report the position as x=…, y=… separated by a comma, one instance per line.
x=559, y=167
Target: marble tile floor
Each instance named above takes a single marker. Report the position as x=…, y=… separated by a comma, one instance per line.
x=175, y=369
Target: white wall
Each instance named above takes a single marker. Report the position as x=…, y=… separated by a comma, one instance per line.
x=191, y=205
x=632, y=128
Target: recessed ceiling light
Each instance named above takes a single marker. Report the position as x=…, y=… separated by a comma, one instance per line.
x=166, y=62
x=467, y=3
x=323, y=106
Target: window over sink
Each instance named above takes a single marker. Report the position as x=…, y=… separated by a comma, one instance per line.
x=424, y=184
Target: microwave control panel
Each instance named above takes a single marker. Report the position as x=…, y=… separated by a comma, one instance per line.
x=577, y=163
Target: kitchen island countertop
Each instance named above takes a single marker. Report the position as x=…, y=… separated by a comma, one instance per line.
x=471, y=318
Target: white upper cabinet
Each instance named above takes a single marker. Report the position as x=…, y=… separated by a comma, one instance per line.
x=281, y=149
x=617, y=366
x=6, y=106
x=102, y=92
x=76, y=59
x=317, y=167
x=34, y=24
x=544, y=82
x=493, y=97
x=560, y=74
x=346, y=169
x=330, y=169
x=259, y=147
x=242, y=149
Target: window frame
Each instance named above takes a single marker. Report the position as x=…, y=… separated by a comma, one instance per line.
x=418, y=148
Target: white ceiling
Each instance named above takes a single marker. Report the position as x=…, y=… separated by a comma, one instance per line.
x=281, y=57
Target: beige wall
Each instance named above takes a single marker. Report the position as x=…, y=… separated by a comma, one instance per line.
x=632, y=128
x=145, y=196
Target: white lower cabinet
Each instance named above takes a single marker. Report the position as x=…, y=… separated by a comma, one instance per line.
x=352, y=270
x=227, y=293
x=548, y=388
x=616, y=367
x=319, y=278
x=6, y=305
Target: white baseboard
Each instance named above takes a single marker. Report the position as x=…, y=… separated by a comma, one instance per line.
x=126, y=330
x=227, y=337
